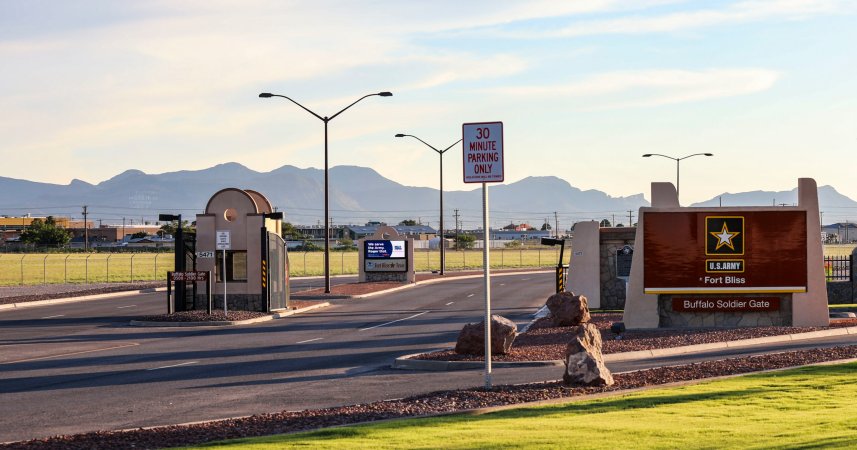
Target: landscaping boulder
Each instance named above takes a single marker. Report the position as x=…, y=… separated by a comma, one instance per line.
x=471, y=339
x=584, y=364
x=568, y=309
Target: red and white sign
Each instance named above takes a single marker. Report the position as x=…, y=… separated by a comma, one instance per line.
x=483, y=152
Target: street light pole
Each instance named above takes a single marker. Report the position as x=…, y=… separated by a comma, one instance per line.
x=440, y=228
x=325, y=119
x=677, y=162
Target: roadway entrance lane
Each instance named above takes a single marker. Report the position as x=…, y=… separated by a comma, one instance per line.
x=303, y=361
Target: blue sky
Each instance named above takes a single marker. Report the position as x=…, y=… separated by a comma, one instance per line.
x=92, y=88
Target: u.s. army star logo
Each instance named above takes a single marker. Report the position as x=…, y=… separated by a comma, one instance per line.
x=724, y=235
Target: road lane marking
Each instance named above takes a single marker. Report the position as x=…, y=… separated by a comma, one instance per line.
x=449, y=303
x=309, y=340
x=502, y=284
x=129, y=306
x=174, y=365
x=70, y=354
x=394, y=321
x=54, y=317
x=525, y=279
x=470, y=295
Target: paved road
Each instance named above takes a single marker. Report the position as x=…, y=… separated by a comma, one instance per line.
x=78, y=367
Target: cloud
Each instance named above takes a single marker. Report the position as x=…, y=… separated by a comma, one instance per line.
x=654, y=87
x=741, y=12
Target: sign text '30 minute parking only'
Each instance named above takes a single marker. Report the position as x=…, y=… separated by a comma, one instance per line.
x=483, y=152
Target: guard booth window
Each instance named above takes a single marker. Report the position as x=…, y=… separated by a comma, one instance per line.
x=236, y=266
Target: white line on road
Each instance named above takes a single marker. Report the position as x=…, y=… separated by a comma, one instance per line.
x=394, y=321
x=127, y=306
x=525, y=279
x=502, y=284
x=174, y=365
x=449, y=303
x=54, y=317
x=470, y=295
x=309, y=340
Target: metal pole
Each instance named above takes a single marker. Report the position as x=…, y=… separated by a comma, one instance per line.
x=132, y=266
x=677, y=162
x=326, y=217
x=442, y=252
x=22, y=269
x=45, y=270
x=487, y=285
x=223, y=275
x=65, y=269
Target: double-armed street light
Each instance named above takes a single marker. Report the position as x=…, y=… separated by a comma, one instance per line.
x=677, y=161
x=440, y=231
x=325, y=119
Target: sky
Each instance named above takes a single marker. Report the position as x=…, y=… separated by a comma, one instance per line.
x=89, y=89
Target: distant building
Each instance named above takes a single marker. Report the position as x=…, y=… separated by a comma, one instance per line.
x=839, y=233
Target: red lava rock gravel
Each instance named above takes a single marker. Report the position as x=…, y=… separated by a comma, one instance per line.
x=202, y=316
x=21, y=294
x=544, y=342
x=433, y=403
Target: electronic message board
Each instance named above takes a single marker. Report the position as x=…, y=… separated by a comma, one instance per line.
x=723, y=251
x=385, y=256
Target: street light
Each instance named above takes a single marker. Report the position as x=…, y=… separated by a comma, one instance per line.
x=439, y=152
x=325, y=119
x=677, y=161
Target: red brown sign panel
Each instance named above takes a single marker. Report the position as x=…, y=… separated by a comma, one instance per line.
x=725, y=251
x=718, y=304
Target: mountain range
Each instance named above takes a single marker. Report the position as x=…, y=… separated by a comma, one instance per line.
x=357, y=195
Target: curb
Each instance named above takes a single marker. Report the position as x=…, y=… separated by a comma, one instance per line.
x=82, y=298
x=226, y=323
x=405, y=363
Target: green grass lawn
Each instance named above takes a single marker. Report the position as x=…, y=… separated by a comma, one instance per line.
x=45, y=268
x=810, y=407
x=312, y=263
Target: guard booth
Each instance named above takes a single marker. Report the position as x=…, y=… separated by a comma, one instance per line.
x=238, y=238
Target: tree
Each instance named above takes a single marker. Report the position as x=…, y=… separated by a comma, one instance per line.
x=408, y=222
x=45, y=233
x=170, y=228
x=139, y=235
x=290, y=233
x=464, y=241
x=604, y=224
x=546, y=226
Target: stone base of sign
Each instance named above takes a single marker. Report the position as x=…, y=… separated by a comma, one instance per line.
x=841, y=292
x=386, y=276
x=613, y=287
x=668, y=318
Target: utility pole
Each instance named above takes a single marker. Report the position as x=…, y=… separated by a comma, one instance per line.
x=556, y=225
x=85, y=230
x=123, y=229
x=630, y=218
x=456, y=228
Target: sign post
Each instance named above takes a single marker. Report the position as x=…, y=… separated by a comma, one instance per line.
x=224, y=242
x=482, y=145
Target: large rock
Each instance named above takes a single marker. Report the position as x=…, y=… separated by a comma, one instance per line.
x=568, y=309
x=584, y=364
x=471, y=339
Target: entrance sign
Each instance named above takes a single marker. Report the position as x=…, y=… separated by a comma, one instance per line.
x=624, y=256
x=385, y=256
x=483, y=152
x=224, y=240
x=736, y=252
